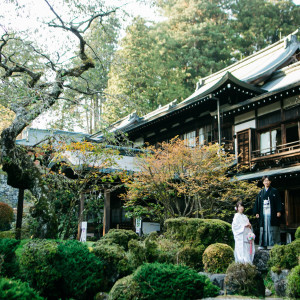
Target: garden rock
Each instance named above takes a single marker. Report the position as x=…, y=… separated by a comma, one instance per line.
x=216, y=279
x=280, y=288
x=268, y=293
x=279, y=276
x=260, y=260
x=280, y=282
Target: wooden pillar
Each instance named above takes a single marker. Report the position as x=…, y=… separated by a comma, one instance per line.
x=219, y=121
x=19, y=214
x=80, y=219
x=286, y=204
x=106, y=216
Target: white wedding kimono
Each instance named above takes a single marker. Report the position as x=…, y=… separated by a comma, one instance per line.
x=242, y=245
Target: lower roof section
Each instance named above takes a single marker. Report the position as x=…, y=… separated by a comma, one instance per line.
x=280, y=173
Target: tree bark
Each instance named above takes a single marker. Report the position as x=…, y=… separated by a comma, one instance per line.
x=19, y=214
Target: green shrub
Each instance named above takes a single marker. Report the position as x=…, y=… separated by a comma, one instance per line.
x=284, y=256
x=81, y=271
x=217, y=257
x=114, y=256
x=199, y=231
x=62, y=269
x=124, y=289
x=245, y=280
x=167, y=281
x=17, y=290
x=163, y=281
x=120, y=237
x=38, y=266
x=6, y=216
x=142, y=251
x=8, y=248
x=297, y=233
x=10, y=234
x=293, y=283
x=191, y=256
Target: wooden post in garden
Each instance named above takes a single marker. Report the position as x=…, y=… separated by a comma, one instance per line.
x=106, y=215
x=19, y=214
x=80, y=219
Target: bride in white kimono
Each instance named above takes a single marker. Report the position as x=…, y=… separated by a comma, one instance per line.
x=241, y=227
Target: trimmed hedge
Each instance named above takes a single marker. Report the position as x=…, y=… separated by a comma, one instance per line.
x=6, y=216
x=10, y=234
x=62, y=269
x=245, y=280
x=297, y=233
x=10, y=266
x=115, y=259
x=199, y=231
x=293, y=283
x=120, y=237
x=284, y=256
x=191, y=256
x=17, y=290
x=217, y=257
x=163, y=281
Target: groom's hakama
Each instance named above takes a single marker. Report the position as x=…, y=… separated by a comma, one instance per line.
x=267, y=205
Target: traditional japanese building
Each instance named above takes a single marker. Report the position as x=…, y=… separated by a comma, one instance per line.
x=251, y=107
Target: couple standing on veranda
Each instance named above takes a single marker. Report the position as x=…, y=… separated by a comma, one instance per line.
x=267, y=209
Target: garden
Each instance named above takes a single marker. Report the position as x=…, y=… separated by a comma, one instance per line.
x=192, y=259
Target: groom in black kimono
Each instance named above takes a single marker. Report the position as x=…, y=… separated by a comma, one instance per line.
x=268, y=209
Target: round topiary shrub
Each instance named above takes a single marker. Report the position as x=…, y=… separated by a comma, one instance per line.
x=124, y=289
x=6, y=216
x=293, y=283
x=10, y=266
x=120, y=237
x=62, y=269
x=38, y=266
x=199, y=231
x=284, y=256
x=115, y=259
x=297, y=233
x=245, y=280
x=217, y=257
x=191, y=256
x=164, y=281
x=17, y=290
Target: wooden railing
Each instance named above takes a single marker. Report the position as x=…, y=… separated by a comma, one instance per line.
x=293, y=147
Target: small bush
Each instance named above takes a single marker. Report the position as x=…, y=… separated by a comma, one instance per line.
x=293, y=283
x=120, y=237
x=217, y=257
x=115, y=259
x=142, y=251
x=38, y=267
x=163, y=281
x=8, y=248
x=191, y=256
x=244, y=279
x=62, y=269
x=17, y=290
x=81, y=271
x=284, y=256
x=297, y=233
x=6, y=216
x=167, y=281
x=124, y=289
x=10, y=234
x=199, y=231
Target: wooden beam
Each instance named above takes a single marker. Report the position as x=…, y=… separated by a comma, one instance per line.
x=106, y=215
x=286, y=204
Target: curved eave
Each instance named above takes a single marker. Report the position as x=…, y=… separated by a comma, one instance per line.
x=227, y=78
x=203, y=97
